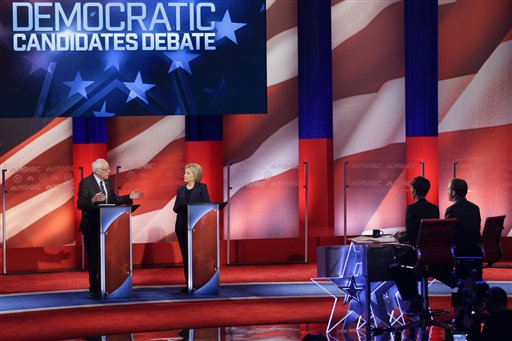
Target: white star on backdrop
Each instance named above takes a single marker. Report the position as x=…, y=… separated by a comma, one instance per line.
x=77, y=86
x=103, y=112
x=138, y=89
x=181, y=59
x=219, y=94
x=113, y=60
x=39, y=61
x=226, y=28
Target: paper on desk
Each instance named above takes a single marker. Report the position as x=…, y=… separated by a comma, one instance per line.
x=367, y=239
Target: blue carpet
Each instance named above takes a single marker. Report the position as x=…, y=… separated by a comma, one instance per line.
x=49, y=300
x=12, y=303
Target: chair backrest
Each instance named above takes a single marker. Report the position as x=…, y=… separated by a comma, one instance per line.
x=491, y=237
x=435, y=242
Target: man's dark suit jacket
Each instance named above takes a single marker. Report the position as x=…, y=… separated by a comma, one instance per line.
x=90, y=213
x=467, y=229
x=90, y=223
x=198, y=194
x=421, y=209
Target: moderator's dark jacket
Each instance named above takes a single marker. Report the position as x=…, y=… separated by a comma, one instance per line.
x=467, y=229
x=90, y=213
x=421, y=209
x=199, y=194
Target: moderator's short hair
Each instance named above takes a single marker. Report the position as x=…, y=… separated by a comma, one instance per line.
x=196, y=170
x=459, y=186
x=421, y=185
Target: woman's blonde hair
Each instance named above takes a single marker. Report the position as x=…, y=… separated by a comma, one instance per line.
x=196, y=170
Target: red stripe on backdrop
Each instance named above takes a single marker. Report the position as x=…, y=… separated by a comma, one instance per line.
x=355, y=70
x=83, y=156
x=483, y=159
x=371, y=177
x=423, y=149
x=122, y=129
x=159, y=181
x=209, y=154
x=247, y=132
x=508, y=36
x=266, y=208
x=41, y=132
x=56, y=155
x=318, y=153
x=469, y=31
x=55, y=228
x=281, y=16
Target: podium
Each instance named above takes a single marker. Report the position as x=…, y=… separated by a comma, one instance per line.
x=116, y=251
x=203, y=248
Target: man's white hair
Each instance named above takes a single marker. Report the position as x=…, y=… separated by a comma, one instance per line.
x=97, y=164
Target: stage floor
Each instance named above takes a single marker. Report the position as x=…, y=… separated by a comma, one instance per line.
x=56, y=306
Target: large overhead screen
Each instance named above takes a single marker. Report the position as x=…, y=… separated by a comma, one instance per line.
x=124, y=58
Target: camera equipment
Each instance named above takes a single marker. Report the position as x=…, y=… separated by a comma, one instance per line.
x=469, y=299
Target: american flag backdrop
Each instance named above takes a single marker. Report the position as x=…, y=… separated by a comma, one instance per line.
x=475, y=109
x=475, y=129
x=475, y=102
x=263, y=150
x=369, y=116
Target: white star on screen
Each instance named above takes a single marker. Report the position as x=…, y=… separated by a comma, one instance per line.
x=226, y=28
x=103, y=112
x=77, y=86
x=138, y=89
x=181, y=59
x=113, y=60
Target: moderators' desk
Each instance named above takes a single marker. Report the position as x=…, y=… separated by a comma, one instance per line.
x=359, y=273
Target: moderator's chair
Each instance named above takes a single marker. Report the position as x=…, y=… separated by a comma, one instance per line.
x=435, y=257
x=491, y=239
x=435, y=250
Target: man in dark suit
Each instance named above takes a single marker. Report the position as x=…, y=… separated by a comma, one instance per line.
x=420, y=209
x=467, y=235
x=94, y=190
x=192, y=192
x=405, y=278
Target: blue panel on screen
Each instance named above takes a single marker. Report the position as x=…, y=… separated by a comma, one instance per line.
x=124, y=58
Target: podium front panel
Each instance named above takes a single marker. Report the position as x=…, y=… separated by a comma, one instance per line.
x=115, y=246
x=203, y=258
